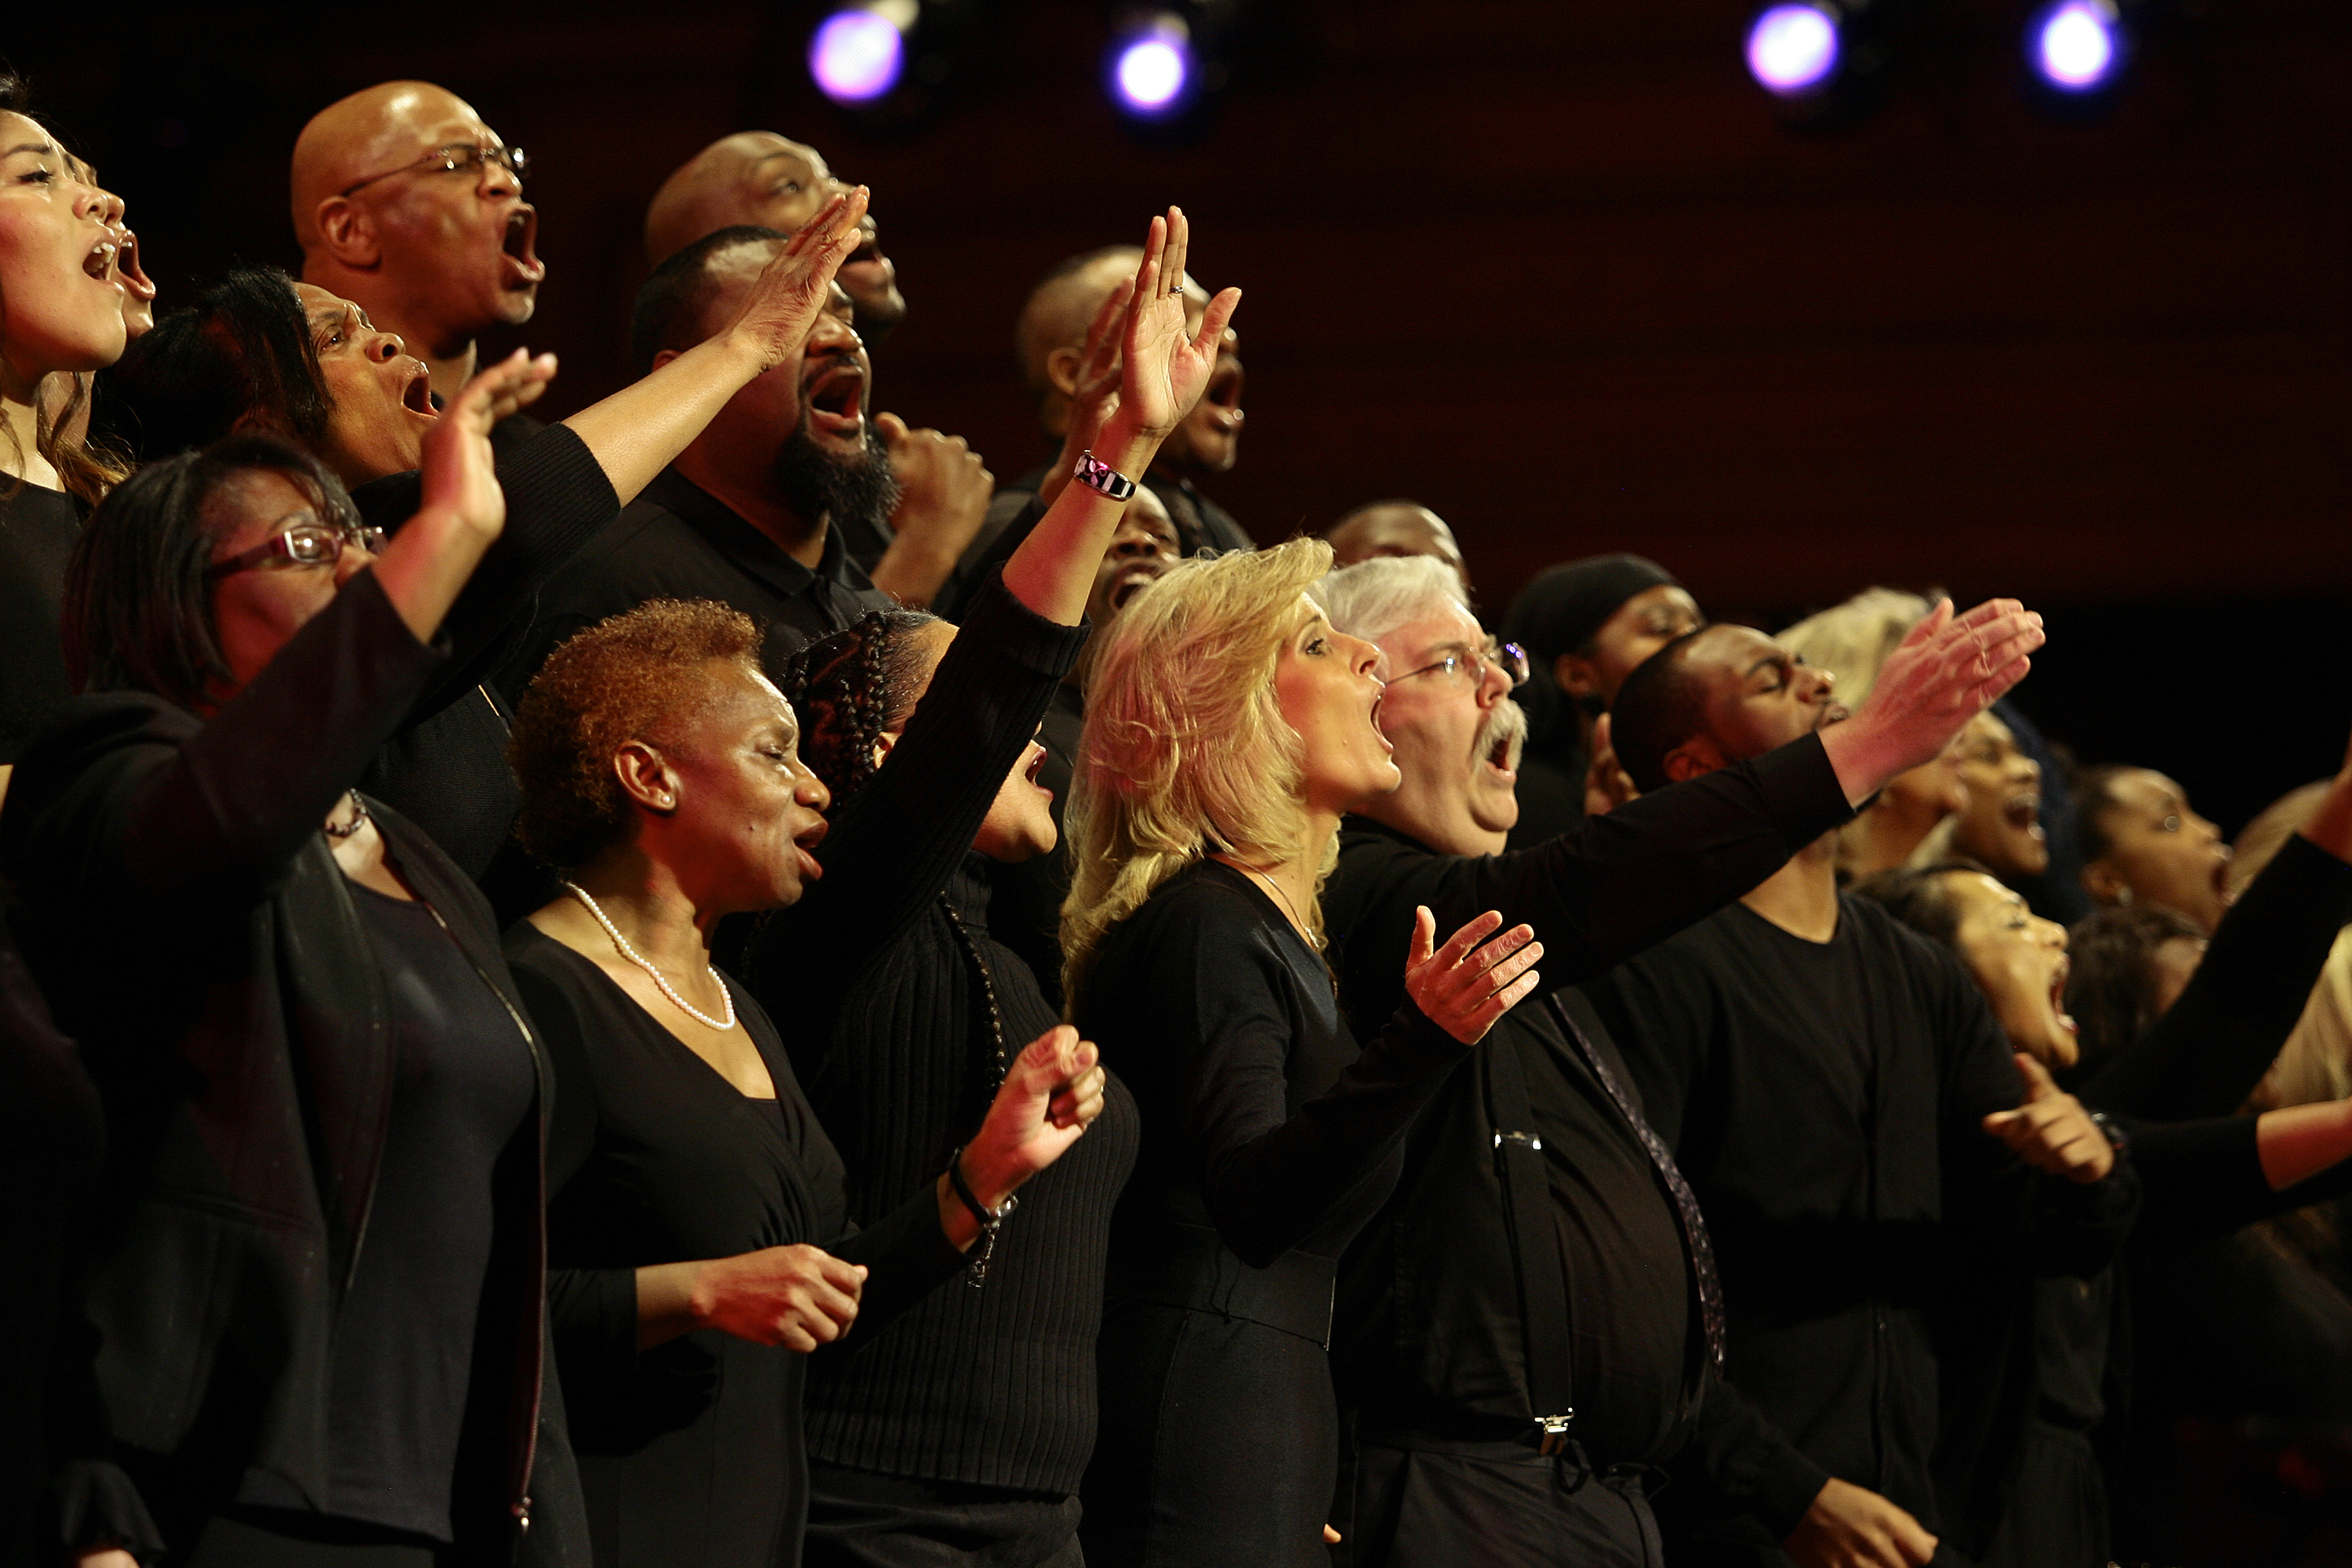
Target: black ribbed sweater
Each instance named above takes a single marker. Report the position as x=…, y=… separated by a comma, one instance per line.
x=883, y=1014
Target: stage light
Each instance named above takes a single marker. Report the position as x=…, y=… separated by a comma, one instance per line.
x=1153, y=72
x=2077, y=46
x=1793, y=50
x=857, y=53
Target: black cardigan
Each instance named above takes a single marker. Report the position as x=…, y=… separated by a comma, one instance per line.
x=192, y=927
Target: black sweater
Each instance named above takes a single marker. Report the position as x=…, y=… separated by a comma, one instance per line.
x=446, y=767
x=691, y=1453
x=992, y=1385
x=38, y=527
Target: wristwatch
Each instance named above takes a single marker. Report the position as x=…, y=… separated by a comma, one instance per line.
x=1098, y=475
x=2118, y=1138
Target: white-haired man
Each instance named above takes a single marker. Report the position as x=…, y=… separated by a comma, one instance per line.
x=1533, y=1324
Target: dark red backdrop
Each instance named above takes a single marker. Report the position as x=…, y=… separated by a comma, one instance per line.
x=1549, y=266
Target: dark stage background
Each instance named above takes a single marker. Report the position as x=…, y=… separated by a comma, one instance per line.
x=1550, y=266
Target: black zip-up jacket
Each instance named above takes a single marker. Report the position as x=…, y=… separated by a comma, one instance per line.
x=190, y=925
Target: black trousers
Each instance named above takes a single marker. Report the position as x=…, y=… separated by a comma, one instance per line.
x=258, y=1537
x=1493, y=1505
x=859, y=1519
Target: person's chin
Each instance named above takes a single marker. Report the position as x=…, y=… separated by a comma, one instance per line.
x=879, y=306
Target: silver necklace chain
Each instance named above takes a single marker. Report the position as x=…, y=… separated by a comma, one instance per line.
x=642, y=962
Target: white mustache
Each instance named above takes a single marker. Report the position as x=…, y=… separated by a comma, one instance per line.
x=1506, y=724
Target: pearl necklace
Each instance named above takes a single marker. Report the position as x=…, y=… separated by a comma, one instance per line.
x=642, y=962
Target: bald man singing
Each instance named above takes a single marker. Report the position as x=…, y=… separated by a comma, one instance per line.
x=767, y=180
x=1050, y=346
x=407, y=204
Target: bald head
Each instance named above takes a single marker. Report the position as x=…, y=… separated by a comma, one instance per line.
x=762, y=180
x=1395, y=528
x=375, y=130
x=435, y=249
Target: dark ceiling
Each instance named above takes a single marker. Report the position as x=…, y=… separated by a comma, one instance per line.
x=1550, y=265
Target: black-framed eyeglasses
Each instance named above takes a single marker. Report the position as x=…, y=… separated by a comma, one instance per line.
x=1510, y=657
x=469, y=157
x=304, y=544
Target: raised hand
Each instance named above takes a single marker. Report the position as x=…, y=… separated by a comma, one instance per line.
x=460, y=471
x=797, y=282
x=1464, y=992
x=1054, y=1091
x=2051, y=1132
x=796, y=1297
x=425, y=566
x=1165, y=368
x=1945, y=673
x=1094, y=398
x=1852, y=1527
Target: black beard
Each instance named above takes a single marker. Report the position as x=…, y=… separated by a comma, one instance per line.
x=845, y=491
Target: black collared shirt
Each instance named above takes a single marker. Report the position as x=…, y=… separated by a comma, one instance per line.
x=678, y=541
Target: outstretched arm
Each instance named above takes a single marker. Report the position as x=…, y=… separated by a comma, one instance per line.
x=1945, y=673
x=640, y=430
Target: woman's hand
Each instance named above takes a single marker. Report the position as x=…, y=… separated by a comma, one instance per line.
x=797, y=282
x=1054, y=1091
x=424, y=567
x=796, y=1297
x=1463, y=991
x=1164, y=368
x=461, y=474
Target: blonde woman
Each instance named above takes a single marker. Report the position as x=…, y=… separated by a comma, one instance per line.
x=1228, y=729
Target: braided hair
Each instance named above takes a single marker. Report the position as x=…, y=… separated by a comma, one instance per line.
x=852, y=688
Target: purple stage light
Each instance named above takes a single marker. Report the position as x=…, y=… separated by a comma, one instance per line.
x=1793, y=50
x=1153, y=68
x=856, y=55
x=2076, y=44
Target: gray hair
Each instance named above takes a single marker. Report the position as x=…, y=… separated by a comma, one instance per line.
x=1372, y=598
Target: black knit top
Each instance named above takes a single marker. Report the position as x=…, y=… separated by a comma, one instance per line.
x=890, y=1031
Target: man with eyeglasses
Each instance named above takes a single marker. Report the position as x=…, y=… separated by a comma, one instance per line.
x=1532, y=1323
x=407, y=204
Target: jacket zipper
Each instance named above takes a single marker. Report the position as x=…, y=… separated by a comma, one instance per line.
x=520, y=1507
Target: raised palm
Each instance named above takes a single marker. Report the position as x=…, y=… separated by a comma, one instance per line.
x=460, y=468
x=1164, y=367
